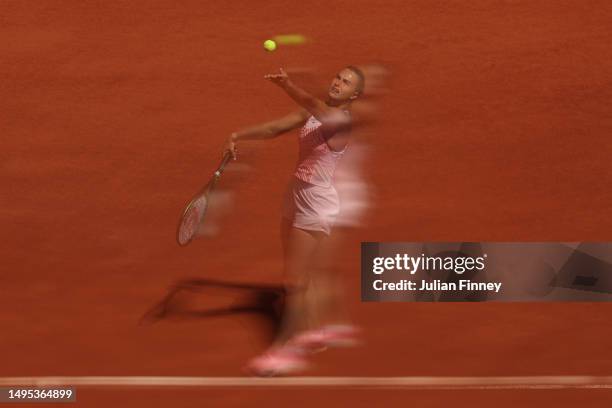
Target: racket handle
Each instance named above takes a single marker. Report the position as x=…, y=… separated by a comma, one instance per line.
x=226, y=158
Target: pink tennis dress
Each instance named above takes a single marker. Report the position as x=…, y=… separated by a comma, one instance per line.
x=311, y=201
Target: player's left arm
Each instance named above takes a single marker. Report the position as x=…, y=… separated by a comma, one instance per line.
x=333, y=119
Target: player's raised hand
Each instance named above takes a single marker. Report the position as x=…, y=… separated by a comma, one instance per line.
x=279, y=79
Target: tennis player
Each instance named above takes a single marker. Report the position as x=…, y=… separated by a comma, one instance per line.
x=312, y=319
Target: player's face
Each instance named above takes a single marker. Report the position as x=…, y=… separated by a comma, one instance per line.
x=344, y=86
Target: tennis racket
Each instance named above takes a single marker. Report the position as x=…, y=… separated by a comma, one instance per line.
x=194, y=212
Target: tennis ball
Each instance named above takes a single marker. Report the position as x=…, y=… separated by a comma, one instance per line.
x=269, y=45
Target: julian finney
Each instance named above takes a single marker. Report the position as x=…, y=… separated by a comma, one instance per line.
x=464, y=284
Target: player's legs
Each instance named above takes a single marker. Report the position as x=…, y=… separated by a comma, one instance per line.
x=311, y=288
x=284, y=357
x=299, y=249
x=325, y=295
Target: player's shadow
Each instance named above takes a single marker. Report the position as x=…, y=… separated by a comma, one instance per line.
x=264, y=302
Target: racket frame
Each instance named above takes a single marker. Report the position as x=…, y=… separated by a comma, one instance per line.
x=204, y=191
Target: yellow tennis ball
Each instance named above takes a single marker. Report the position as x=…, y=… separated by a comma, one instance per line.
x=269, y=45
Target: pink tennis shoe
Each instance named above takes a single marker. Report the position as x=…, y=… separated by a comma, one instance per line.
x=336, y=335
x=291, y=357
x=278, y=361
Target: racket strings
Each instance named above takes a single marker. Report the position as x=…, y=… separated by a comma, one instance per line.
x=192, y=220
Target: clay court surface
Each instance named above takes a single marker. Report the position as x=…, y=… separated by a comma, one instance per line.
x=495, y=127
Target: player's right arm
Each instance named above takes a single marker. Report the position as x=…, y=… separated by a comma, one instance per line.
x=268, y=130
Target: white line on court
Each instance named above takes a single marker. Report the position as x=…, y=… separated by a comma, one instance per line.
x=454, y=383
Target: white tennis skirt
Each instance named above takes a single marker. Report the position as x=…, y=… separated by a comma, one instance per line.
x=311, y=207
